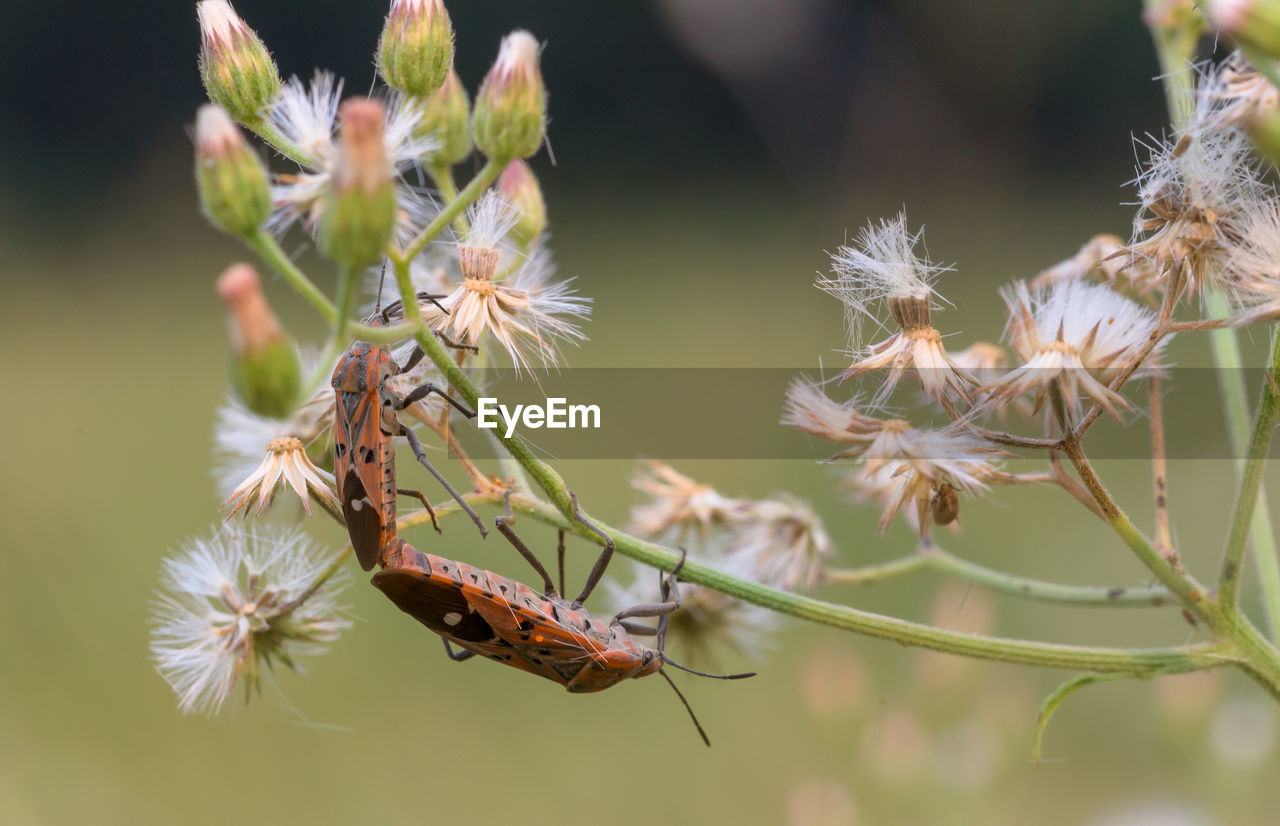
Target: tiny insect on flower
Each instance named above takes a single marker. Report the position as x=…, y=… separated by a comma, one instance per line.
x=228, y=605
x=526, y=313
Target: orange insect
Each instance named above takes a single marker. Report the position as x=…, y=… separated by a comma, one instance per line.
x=541, y=633
x=364, y=459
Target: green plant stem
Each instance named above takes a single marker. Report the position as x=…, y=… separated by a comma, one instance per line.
x=442, y=176
x=1229, y=365
x=1136, y=661
x=469, y=195
x=266, y=246
x=1255, y=458
x=934, y=558
x=280, y=143
x=1175, y=31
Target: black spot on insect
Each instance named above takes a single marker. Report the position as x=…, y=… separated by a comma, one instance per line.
x=546, y=652
x=555, y=612
x=536, y=660
x=502, y=588
x=339, y=450
x=526, y=625
x=586, y=625
x=366, y=455
x=524, y=637
x=475, y=577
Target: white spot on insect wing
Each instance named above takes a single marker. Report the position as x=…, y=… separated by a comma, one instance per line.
x=452, y=618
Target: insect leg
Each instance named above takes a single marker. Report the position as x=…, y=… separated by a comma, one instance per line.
x=560, y=557
x=457, y=656
x=651, y=609
x=417, y=494
x=672, y=593
x=412, y=361
x=503, y=524
x=450, y=343
x=602, y=562
x=637, y=629
x=416, y=447
x=427, y=389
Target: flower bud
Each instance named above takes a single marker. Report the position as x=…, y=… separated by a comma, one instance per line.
x=446, y=113
x=510, y=117
x=359, y=213
x=1251, y=23
x=229, y=174
x=1264, y=129
x=264, y=363
x=415, y=53
x=238, y=72
x=520, y=187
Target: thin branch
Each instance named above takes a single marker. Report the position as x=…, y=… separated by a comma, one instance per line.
x=1160, y=477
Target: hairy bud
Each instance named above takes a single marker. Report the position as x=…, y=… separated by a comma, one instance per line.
x=446, y=114
x=231, y=178
x=238, y=72
x=264, y=363
x=510, y=117
x=359, y=215
x=520, y=187
x=1251, y=23
x=415, y=53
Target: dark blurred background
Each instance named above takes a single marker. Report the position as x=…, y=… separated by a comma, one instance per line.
x=707, y=153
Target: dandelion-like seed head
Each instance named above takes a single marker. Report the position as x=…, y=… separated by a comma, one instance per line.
x=307, y=115
x=286, y=463
x=1078, y=334
x=1255, y=269
x=680, y=509
x=228, y=605
x=1234, y=94
x=784, y=538
x=526, y=313
x=809, y=409
x=882, y=265
x=1195, y=192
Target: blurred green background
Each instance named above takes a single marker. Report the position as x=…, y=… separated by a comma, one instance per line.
x=708, y=152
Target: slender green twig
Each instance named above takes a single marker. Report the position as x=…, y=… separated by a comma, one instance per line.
x=469, y=195
x=1255, y=457
x=442, y=176
x=1229, y=368
x=280, y=143
x=932, y=557
x=265, y=244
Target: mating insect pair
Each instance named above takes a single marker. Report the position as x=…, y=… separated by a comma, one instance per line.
x=481, y=611
x=541, y=633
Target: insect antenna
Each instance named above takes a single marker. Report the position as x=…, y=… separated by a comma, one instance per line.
x=687, y=708
x=675, y=664
x=382, y=277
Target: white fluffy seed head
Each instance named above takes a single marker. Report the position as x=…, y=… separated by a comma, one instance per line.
x=881, y=264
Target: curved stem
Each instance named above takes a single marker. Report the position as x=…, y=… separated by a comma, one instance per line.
x=487, y=175
x=442, y=176
x=280, y=143
x=932, y=557
x=266, y=246
x=1255, y=458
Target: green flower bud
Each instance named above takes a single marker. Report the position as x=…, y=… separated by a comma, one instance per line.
x=510, y=117
x=238, y=72
x=520, y=187
x=446, y=113
x=264, y=362
x=1251, y=23
x=415, y=52
x=360, y=208
x=1264, y=129
x=231, y=178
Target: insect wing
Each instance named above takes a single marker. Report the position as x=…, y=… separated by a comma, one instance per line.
x=363, y=463
x=429, y=594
